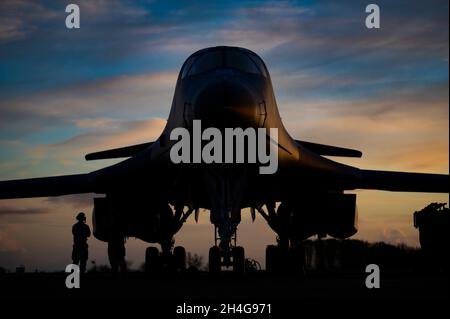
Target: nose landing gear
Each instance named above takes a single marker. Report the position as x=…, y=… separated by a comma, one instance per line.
x=226, y=253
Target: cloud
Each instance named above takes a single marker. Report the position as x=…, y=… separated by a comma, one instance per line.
x=94, y=122
x=115, y=134
x=110, y=8
x=7, y=242
x=79, y=201
x=4, y=210
x=393, y=236
x=67, y=156
x=124, y=96
x=30, y=17
x=19, y=18
x=290, y=35
x=403, y=130
x=12, y=251
x=52, y=131
x=11, y=29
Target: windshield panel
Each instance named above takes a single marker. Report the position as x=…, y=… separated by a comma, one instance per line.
x=188, y=64
x=240, y=61
x=207, y=62
x=259, y=64
x=219, y=58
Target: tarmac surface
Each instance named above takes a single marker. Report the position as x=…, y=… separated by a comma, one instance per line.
x=287, y=294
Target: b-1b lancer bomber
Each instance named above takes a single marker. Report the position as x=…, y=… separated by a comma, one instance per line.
x=224, y=148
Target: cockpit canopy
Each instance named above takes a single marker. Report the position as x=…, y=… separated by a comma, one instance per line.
x=223, y=57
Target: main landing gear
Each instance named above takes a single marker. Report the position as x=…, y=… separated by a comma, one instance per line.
x=173, y=261
x=170, y=258
x=288, y=256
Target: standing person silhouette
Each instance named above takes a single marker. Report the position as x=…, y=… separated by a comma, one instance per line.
x=80, y=232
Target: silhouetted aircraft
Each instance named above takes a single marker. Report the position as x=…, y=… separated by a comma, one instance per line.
x=149, y=197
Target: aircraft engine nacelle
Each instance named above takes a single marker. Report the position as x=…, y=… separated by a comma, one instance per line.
x=131, y=217
x=102, y=219
x=342, y=216
x=334, y=214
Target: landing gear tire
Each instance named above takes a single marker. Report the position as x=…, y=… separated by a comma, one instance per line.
x=214, y=260
x=179, y=258
x=272, y=259
x=152, y=260
x=239, y=260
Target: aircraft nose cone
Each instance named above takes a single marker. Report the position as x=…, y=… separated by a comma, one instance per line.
x=226, y=104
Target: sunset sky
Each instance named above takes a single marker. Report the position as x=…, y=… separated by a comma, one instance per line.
x=64, y=93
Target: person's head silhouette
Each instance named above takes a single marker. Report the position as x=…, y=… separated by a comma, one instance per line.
x=81, y=217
